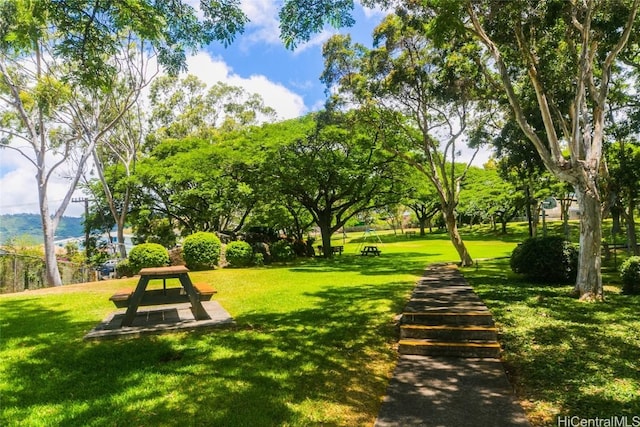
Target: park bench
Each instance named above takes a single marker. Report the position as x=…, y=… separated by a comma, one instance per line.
x=163, y=296
x=334, y=249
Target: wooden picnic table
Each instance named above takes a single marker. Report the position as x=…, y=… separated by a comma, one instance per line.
x=373, y=250
x=174, y=272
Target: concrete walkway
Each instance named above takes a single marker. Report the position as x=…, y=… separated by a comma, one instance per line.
x=449, y=391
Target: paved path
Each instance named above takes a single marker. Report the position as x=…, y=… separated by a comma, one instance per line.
x=449, y=391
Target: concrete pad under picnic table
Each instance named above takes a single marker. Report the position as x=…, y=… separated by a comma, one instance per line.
x=157, y=319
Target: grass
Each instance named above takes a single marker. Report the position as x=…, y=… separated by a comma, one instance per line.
x=565, y=357
x=314, y=344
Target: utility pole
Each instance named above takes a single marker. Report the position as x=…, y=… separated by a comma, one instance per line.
x=85, y=200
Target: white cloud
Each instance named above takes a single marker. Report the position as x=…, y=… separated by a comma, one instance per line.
x=375, y=12
x=19, y=191
x=263, y=23
x=286, y=103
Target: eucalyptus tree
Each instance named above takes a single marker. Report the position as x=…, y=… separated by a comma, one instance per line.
x=51, y=50
x=184, y=106
x=566, y=52
x=114, y=163
x=427, y=98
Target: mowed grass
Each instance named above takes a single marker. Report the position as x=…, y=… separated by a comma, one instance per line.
x=314, y=344
x=566, y=358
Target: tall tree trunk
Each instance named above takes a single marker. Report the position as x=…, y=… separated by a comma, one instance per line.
x=456, y=239
x=589, y=280
x=631, y=227
x=325, y=232
x=52, y=273
x=529, y=213
x=122, y=249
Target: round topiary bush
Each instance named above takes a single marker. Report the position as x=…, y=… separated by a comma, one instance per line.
x=201, y=251
x=282, y=250
x=547, y=259
x=239, y=254
x=148, y=255
x=124, y=269
x=630, y=275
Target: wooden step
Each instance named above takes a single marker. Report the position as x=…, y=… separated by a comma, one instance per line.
x=479, y=318
x=449, y=333
x=479, y=349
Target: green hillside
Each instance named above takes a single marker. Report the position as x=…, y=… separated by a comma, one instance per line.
x=21, y=225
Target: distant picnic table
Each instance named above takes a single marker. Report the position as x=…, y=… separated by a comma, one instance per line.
x=370, y=250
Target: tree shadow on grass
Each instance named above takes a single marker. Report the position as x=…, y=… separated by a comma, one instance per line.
x=318, y=365
x=581, y=358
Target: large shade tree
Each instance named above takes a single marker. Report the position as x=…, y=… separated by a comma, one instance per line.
x=334, y=166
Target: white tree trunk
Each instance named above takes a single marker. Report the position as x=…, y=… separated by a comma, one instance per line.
x=49, y=225
x=588, y=284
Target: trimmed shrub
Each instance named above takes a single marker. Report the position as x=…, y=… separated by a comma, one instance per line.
x=201, y=251
x=239, y=254
x=547, y=259
x=630, y=275
x=124, y=269
x=258, y=259
x=148, y=255
x=282, y=251
x=261, y=248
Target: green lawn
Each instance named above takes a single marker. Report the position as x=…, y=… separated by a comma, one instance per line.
x=313, y=344
x=566, y=358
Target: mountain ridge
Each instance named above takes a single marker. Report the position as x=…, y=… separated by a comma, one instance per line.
x=29, y=225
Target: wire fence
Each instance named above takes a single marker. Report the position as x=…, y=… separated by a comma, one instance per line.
x=21, y=272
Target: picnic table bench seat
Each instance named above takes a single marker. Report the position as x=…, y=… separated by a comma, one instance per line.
x=163, y=296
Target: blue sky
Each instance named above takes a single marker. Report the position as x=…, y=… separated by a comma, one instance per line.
x=260, y=51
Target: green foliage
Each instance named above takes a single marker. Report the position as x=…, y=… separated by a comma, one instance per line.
x=282, y=250
x=148, y=255
x=149, y=228
x=201, y=251
x=125, y=269
x=547, y=259
x=239, y=254
x=565, y=356
x=258, y=259
x=630, y=275
x=87, y=33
